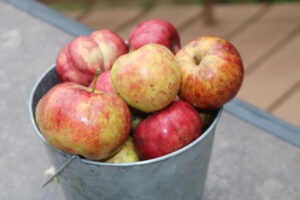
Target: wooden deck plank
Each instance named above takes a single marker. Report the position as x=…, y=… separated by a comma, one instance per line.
x=276, y=75
x=112, y=18
x=228, y=18
x=260, y=38
x=177, y=15
x=289, y=110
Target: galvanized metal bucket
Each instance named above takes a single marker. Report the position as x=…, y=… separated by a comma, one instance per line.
x=177, y=176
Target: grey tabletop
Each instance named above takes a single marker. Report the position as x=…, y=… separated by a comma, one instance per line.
x=254, y=156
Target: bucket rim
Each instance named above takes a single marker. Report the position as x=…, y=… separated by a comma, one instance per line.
x=208, y=131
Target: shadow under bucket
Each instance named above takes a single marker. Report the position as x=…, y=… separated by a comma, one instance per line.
x=177, y=176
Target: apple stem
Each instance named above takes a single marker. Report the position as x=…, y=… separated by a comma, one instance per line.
x=197, y=60
x=97, y=73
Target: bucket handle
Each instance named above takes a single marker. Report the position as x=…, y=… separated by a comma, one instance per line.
x=59, y=170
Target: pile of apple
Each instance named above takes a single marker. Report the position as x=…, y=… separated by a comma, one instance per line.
x=119, y=102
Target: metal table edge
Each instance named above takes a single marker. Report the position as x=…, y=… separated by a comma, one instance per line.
x=51, y=16
x=236, y=107
x=264, y=121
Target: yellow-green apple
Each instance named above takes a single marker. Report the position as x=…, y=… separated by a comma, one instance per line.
x=167, y=130
x=78, y=60
x=148, y=79
x=83, y=121
x=155, y=31
x=104, y=83
x=126, y=154
x=211, y=72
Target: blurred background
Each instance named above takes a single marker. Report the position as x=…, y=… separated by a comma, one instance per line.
x=266, y=33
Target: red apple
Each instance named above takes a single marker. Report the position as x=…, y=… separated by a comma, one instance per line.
x=148, y=79
x=76, y=120
x=211, y=72
x=78, y=60
x=104, y=83
x=167, y=130
x=155, y=31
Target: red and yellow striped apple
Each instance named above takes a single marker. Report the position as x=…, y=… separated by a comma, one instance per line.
x=211, y=72
x=78, y=60
x=111, y=46
x=76, y=120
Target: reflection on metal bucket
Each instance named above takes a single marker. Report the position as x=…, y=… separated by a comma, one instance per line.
x=177, y=176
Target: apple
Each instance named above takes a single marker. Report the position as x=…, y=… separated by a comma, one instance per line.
x=78, y=120
x=167, y=130
x=111, y=46
x=211, y=72
x=78, y=60
x=104, y=83
x=148, y=79
x=155, y=31
x=126, y=154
